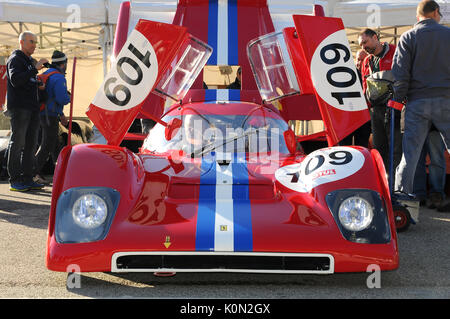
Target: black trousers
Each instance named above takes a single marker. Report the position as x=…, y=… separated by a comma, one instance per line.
x=49, y=140
x=22, y=145
x=381, y=126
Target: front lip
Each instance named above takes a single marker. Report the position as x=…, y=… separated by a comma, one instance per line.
x=97, y=258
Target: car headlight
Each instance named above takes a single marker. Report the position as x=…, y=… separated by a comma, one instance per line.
x=360, y=215
x=85, y=214
x=355, y=213
x=89, y=211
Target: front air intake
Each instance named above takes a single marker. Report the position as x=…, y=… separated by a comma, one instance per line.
x=222, y=262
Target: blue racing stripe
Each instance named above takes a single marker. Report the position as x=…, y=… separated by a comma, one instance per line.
x=206, y=214
x=234, y=95
x=243, y=235
x=232, y=33
x=210, y=95
x=212, y=30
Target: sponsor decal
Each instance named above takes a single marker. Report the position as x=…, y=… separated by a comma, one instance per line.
x=320, y=167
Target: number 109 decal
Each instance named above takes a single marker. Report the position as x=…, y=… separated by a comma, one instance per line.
x=131, y=78
x=334, y=74
x=320, y=167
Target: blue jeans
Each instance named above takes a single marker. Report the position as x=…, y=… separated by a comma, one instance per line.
x=22, y=145
x=419, y=116
x=434, y=147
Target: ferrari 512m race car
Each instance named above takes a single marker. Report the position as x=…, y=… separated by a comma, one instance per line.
x=222, y=183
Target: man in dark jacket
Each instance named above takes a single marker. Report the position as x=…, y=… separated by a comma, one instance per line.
x=236, y=85
x=422, y=78
x=57, y=97
x=23, y=109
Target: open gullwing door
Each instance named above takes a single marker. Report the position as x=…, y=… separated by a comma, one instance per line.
x=156, y=57
x=312, y=60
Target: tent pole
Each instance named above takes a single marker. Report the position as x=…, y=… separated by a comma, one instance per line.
x=69, y=134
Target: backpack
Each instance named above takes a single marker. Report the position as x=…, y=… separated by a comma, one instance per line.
x=43, y=95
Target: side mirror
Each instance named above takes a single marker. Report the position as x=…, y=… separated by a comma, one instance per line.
x=172, y=128
x=290, y=140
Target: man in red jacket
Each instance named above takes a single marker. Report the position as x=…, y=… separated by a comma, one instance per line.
x=380, y=59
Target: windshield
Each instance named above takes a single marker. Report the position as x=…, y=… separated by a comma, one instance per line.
x=202, y=134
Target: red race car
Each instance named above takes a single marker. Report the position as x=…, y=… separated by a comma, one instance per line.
x=222, y=183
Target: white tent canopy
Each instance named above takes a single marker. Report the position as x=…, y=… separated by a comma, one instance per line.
x=354, y=13
x=90, y=11
x=362, y=13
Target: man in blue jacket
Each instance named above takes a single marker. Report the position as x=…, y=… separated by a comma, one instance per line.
x=23, y=110
x=52, y=114
x=422, y=78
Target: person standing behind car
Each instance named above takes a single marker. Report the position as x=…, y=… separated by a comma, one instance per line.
x=52, y=114
x=434, y=147
x=361, y=135
x=421, y=70
x=236, y=85
x=23, y=109
x=380, y=59
x=359, y=59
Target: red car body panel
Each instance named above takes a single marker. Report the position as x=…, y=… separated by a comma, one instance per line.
x=256, y=205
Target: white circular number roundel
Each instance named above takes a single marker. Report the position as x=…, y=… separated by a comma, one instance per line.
x=334, y=75
x=320, y=167
x=131, y=77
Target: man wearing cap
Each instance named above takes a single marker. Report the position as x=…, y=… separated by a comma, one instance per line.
x=23, y=110
x=422, y=79
x=52, y=114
